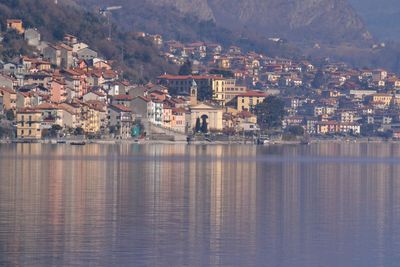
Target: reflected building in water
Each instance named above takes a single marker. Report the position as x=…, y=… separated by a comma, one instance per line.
x=164, y=205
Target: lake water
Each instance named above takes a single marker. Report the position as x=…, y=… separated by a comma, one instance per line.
x=178, y=205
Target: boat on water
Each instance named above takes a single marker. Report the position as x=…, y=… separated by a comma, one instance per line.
x=304, y=142
x=78, y=143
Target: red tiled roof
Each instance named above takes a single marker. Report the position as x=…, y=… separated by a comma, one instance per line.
x=121, y=108
x=180, y=110
x=187, y=77
x=156, y=100
x=64, y=46
x=7, y=89
x=71, y=72
x=245, y=114
x=253, y=94
x=27, y=94
x=123, y=97
x=98, y=93
x=46, y=106
x=28, y=110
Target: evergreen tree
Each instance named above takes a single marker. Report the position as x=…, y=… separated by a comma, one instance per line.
x=319, y=79
x=270, y=113
x=205, y=93
x=197, y=128
x=79, y=131
x=295, y=130
x=186, y=68
x=10, y=115
x=54, y=130
x=204, y=126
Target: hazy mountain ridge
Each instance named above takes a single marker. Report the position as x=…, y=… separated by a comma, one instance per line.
x=164, y=18
x=381, y=17
x=200, y=8
x=316, y=20
x=307, y=20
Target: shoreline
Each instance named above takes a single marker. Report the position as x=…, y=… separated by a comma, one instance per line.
x=165, y=142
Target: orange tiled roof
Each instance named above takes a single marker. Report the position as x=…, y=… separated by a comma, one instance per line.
x=123, y=97
x=121, y=108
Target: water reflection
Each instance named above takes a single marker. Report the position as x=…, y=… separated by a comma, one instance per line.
x=178, y=205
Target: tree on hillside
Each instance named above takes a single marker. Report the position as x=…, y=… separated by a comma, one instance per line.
x=79, y=131
x=186, y=68
x=224, y=73
x=270, y=113
x=10, y=115
x=295, y=130
x=54, y=131
x=205, y=93
x=138, y=60
x=319, y=79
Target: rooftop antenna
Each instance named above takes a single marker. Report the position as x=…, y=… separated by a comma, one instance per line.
x=106, y=11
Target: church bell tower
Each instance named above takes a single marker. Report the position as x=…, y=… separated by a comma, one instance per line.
x=193, y=93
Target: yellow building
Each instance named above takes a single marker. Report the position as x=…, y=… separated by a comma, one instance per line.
x=90, y=118
x=396, y=100
x=15, y=24
x=224, y=63
x=29, y=124
x=232, y=92
x=212, y=115
x=218, y=87
x=225, y=89
x=248, y=100
x=384, y=99
x=327, y=127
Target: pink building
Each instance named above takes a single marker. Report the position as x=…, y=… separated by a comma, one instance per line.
x=178, y=122
x=167, y=116
x=58, y=93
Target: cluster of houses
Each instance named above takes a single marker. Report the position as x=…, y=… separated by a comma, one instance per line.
x=331, y=99
x=68, y=85
x=356, y=102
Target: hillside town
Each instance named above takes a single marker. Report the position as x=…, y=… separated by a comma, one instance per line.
x=68, y=89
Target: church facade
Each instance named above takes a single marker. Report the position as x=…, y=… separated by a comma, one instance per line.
x=212, y=115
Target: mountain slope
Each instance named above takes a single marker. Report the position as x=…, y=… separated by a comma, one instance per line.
x=53, y=21
x=300, y=20
x=317, y=20
x=382, y=17
x=155, y=17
